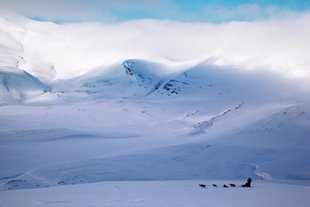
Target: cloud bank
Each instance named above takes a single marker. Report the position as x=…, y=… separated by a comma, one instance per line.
x=280, y=45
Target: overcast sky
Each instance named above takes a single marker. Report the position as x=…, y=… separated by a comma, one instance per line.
x=214, y=11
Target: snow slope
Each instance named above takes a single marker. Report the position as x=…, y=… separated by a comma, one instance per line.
x=126, y=123
x=113, y=108
x=160, y=193
x=16, y=84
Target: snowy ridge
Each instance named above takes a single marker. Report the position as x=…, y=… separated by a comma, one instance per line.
x=19, y=85
x=201, y=126
x=140, y=78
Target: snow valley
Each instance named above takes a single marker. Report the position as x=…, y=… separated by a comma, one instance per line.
x=110, y=105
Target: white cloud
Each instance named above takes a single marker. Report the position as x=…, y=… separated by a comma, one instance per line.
x=245, y=12
x=279, y=44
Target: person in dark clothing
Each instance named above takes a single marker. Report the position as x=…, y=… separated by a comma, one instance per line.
x=248, y=183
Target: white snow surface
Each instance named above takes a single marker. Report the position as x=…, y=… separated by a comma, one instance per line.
x=160, y=194
x=126, y=123
x=91, y=108
x=16, y=84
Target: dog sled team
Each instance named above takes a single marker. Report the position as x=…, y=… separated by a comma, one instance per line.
x=245, y=185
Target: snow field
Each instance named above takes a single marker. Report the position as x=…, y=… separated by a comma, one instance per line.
x=160, y=194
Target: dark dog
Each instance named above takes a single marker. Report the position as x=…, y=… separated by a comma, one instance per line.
x=225, y=186
x=202, y=185
x=214, y=185
x=232, y=185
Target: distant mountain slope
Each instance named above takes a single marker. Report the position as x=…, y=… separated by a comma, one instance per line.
x=136, y=78
x=18, y=85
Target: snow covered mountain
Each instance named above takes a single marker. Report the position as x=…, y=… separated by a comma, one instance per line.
x=16, y=85
x=75, y=109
